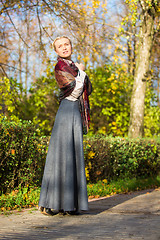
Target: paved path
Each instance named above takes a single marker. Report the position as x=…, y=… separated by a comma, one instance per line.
x=120, y=217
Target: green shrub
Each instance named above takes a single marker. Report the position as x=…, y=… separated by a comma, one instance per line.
x=112, y=158
x=22, y=155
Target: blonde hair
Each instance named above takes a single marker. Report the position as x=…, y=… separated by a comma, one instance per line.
x=58, y=38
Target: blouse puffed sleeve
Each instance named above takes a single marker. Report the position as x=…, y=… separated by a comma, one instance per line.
x=79, y=86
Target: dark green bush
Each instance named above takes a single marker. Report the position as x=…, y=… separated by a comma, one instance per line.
x=22, y=155
x=112, y=158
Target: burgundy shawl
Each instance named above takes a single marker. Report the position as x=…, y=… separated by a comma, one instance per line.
x=65, y=73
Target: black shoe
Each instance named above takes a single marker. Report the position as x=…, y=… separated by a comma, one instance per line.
x=61, y=212
x=73, y=212
x=41, y=209
x=47, y=211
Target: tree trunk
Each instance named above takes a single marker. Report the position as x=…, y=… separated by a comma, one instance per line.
x=140, y=77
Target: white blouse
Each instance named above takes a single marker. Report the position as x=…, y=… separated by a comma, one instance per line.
x=79, y=86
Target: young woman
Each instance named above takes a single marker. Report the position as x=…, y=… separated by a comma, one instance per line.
x=64, y=182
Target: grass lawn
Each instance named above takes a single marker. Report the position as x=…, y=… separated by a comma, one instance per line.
x=29, y=196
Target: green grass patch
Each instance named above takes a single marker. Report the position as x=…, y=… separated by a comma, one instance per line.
x=29, y=196
x=20, y=198
x=104, y=188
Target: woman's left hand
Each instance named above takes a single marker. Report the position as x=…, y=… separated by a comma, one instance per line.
x=80, y=66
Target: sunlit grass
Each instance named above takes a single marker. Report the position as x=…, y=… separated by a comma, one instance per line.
x=104, y=188
x=29, y=196
x=26, y=197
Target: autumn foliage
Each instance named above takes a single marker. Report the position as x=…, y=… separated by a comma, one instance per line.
x=119, y=47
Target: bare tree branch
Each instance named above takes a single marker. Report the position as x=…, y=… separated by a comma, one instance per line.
x=3, y=71
x=3, y=46
x=1, y=65
x=14, y=25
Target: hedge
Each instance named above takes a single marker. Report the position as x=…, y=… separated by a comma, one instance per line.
x=23, y=153
x=112, y=158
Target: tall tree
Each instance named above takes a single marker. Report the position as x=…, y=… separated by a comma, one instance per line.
x=149, y=11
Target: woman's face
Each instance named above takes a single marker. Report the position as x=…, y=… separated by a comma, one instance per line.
x=63, y=48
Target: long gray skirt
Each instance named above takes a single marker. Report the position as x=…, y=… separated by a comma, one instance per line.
x=64, y=181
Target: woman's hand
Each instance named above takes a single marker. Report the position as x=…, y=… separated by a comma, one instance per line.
x=80, y=66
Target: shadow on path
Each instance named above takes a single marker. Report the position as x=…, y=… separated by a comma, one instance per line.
x=88, y=225
x=99, y=205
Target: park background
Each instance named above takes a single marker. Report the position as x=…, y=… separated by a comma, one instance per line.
x=118, y=42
